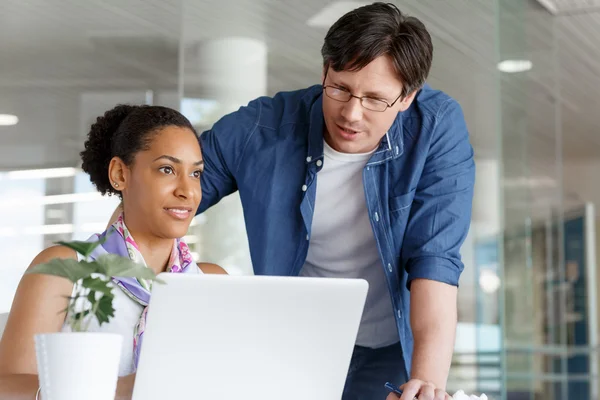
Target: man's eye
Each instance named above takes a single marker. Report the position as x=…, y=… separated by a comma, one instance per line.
x=371, y=100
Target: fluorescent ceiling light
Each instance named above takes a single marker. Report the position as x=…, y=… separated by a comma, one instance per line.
x=8, y=119
x=557, y=7
x=332, y=12
x=53, y=229
x=513, y=66
x=54, y=199
x=550, y=5
x=48, y=229
x=40, y=173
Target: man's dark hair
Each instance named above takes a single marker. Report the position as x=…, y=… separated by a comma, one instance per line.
x=378, y=29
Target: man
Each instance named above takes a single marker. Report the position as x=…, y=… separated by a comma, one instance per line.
x=369, y=175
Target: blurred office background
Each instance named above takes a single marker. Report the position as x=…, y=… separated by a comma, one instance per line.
x=526, y=72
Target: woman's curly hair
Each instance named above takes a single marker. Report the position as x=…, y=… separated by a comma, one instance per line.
x=122, y=132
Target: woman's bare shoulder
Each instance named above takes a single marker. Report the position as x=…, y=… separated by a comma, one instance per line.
x=209, y=268
x=53, y=252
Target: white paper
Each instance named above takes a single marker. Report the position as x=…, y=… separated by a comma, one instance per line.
x=461, y=395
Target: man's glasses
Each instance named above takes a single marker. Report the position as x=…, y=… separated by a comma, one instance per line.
x=369, y=103
x=344, y=96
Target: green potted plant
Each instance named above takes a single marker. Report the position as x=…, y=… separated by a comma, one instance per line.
x=80, y=364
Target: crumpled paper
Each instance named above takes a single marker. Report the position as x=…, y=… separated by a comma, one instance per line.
x=461, y=395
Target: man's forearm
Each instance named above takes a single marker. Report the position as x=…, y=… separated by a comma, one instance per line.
x=433, y=320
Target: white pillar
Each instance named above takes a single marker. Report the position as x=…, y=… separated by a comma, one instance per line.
x=232, y=71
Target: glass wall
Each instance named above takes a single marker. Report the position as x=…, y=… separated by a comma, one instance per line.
x=62, y=66
x=548, y=301
x=523, y=76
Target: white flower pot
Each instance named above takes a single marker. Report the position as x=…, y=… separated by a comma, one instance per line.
x=76, y=366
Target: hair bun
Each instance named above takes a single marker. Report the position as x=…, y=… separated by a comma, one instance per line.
x=98, y=147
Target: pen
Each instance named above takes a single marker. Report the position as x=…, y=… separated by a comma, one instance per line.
x=393, y=388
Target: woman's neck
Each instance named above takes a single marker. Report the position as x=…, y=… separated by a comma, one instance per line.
x=156, y=251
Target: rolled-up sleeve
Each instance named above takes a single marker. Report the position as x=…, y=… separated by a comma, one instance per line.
x=440, y=215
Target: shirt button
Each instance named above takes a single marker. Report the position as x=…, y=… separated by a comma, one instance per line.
x=308, y=158
x=390, y=267
x=376, y=217
x=319, y=163
x=399, y=314
x=368, y=168
x=304, y=187
x=307, y=238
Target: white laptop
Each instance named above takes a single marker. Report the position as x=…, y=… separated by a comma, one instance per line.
x=215, y=337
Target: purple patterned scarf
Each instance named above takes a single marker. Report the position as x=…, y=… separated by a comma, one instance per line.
x=122, y=243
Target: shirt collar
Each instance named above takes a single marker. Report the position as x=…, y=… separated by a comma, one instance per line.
x=315, y=131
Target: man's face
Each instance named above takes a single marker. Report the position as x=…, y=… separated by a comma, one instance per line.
x=350, y=127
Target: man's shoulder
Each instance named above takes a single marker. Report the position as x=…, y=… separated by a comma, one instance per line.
x=287, y=107
x=433, y=103
x=271, y=112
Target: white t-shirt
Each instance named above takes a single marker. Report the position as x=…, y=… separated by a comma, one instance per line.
x=342, y=243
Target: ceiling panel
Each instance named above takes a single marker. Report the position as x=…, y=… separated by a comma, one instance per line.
x=58, y=51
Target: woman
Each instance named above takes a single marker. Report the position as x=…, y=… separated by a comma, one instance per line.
x=149, y=156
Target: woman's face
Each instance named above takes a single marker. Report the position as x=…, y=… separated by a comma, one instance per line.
x=161, y=189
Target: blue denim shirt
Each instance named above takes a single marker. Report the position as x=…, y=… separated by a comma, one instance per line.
x=418, y=187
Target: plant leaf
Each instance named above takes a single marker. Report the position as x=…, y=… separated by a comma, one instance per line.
x=97, y=285
x=91, y=296
x=83, y=248
x=68, y=268
x=86, y=248
x=81, y=315
x=105, y=311
x=113, y=265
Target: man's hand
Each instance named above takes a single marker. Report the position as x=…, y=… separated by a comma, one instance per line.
x=421, y=390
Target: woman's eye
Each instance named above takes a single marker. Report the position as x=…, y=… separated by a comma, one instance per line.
x=196, y=174
x=166, y=170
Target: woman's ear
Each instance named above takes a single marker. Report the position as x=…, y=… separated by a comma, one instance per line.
x=117, y=173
